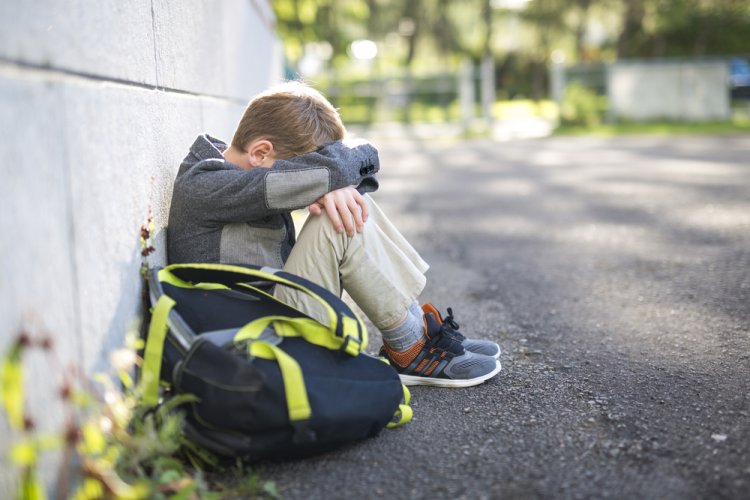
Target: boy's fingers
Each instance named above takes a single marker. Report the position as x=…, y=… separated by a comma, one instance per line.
x=356, y=213
x=314, y=209
x=333, y=214
x=346, y=216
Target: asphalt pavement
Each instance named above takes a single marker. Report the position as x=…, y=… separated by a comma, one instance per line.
x=615, y=275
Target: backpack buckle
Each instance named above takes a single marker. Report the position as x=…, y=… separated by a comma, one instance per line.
x=352, y=345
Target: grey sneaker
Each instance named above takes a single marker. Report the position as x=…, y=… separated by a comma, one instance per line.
x=486, y=347
x=440, y=360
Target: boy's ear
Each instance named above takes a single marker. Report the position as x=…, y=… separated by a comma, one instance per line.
x=258, y=151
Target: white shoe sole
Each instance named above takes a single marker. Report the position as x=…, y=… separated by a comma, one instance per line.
x=449, y=382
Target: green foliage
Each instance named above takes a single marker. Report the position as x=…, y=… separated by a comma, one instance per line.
x=111, y=446
x=660, y=128
x=582, y=106
x=12, y=383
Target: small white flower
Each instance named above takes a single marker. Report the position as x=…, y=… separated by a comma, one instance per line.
x=123, y=359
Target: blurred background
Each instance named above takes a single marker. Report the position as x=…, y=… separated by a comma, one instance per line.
x=574, y=63
x=101, y=99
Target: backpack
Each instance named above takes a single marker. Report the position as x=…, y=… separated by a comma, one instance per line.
x=268, y=381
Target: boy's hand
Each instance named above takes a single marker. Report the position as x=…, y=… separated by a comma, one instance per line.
x=346, y=208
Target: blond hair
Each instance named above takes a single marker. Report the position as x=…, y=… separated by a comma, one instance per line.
x=294, y=117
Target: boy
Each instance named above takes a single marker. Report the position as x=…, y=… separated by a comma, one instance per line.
x=232, y=204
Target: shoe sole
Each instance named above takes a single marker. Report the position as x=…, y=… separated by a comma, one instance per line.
x=411, y=380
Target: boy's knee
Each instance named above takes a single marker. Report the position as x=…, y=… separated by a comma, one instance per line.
x=323, y=224
x=318, y=224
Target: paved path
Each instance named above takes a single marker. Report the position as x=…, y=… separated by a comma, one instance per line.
x=615, y=274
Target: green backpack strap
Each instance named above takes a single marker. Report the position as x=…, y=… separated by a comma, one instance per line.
x=297, y=403
x=307, y=328
x=344, y=323
x=404, y=413
x=157, y=333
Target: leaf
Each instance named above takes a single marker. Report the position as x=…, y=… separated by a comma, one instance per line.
x=176, y=401
x=90, y=489
x=169, y=476
x=11, y=385
x=47, y=442
x=138, y=491
x=31, y=488
x=269, y=488
x=82, y=399
x=94, y=441
x=24, y=454
x=165, y=463
x=187, y=491
x=126, y=379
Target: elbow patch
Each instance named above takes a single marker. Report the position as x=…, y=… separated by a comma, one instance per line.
x=290, y=189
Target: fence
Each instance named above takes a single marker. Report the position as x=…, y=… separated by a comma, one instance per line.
x=461, y=95
x=641, y=90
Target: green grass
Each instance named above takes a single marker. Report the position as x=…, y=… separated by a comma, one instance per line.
x=737, y=126
x=524, y=108
x=362, y=111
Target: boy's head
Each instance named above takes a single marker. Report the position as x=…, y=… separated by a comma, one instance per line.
x=294, y=117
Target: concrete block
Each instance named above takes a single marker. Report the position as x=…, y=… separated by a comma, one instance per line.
x=38, y=286
x=106, y=37
x=223, y=49
x=189, y=46
x=220, y=118
x=253, y=59
x=125, y=146
x=705, y=91
x=669, y=90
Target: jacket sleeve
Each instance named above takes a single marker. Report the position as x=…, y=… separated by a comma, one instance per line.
x=222, y=193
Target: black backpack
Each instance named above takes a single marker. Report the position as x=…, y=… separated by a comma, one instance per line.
x=270, y=382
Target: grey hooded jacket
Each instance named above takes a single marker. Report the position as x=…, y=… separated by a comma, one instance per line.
x=222, y=213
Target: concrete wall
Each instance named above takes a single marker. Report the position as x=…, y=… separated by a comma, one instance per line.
x=688, y=91
x=99, y=101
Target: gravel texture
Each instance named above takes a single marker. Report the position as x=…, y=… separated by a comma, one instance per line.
x=615, y=274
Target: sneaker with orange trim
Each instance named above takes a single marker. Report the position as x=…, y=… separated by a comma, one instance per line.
x=486, y=347
x=440, y=359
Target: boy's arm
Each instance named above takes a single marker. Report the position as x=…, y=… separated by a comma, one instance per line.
x=335, y=166
x=224, y=194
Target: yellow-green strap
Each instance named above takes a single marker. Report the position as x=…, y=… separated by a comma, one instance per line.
x=254, y=329
x=164, y=275
x=404, y=413
x=157, y=332
x=167, y=277
x=402, y=416
x=407, y=394
x=307, y=328
x=350, y=327
x=291, y=373
x=353, y=344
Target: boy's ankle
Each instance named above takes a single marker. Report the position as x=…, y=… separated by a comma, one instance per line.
x=405, y=357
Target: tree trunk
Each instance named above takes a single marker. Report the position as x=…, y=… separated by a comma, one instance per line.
x=412, y=11
x=701, y=39
x=580, y=31
x=632, y=25
x=488, y=27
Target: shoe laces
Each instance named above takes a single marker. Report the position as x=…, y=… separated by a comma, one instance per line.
x=450, y=327
x=441, y=336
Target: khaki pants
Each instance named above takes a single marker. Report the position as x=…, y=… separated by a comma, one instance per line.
x=378, y=268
